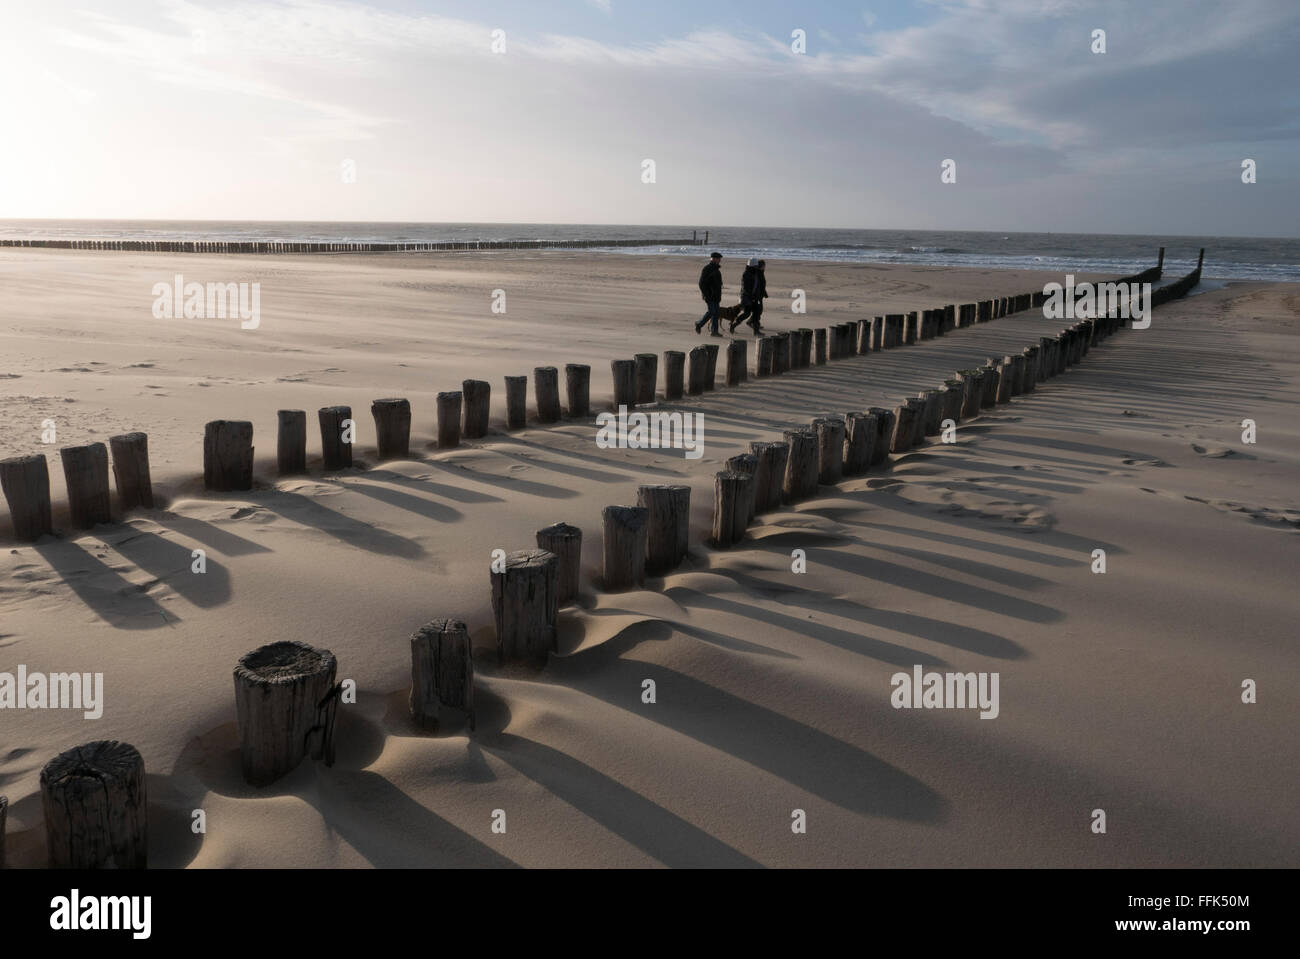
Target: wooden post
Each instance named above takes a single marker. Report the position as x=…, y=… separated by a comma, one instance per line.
x=736, y=362
x=1160, y=262
x=393, y=427
x=769, y=476
x=1017, y=361
x=546, y=387
x=699, y=370
x=711, y=369
x=765, y=356
x=647, y=377
x=918, y=420
x=781, y=354
x=794, y=349
x=1046, y=362
x=525, y=602
x=732, y=493
x=819, y=336
x=954, y=393
x=624, y=375
x=477, y=404
x=989, y=383
x=1005, y=372
x=894, y=329
x=668, y=521
x=26, y=484
x=863, y=335
x=442, y=672
x=830, y=449
x=877, y=333
x=516, y=402
x=746, y=463
x=933, y=412
x=448, y=406
x=577, y=387
x=801, y=466
x=624, y=546
x=337, y=452
x=1030, y=378
x=4, y=812
x=805, y=346
x=859, y=437
x=674, y=379
x=85, y=470
x=904, y=420
x=291, y=442
x=285, y=700
x=909, y=329
x=884, y=434
x=131, y=470
x=228, y=455
x=95, y=803
x=565, y=542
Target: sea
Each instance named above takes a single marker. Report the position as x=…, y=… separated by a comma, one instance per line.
x=1226, y=257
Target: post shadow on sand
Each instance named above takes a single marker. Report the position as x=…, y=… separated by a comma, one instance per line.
x=511, y=483
x=171, y=562
x=117, y=601
x=210, y=535
x=308, y=512
x=394, y=478
x=805, y=757
x=412, y=504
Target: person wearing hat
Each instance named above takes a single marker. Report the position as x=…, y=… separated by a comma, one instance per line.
x=749, y=298
x=711, y=290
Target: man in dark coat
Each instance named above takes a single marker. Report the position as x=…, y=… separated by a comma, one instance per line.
x=750, y=302
x=711, y=290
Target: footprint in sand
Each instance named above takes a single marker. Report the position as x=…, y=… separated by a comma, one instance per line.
x=1216, y=453
x=1137, y=462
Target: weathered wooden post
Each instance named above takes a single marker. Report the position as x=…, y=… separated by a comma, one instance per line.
x=830, y=449
x=1030, y=373
x=26, y=484
x=477, y=404
x=4, y=813
x=647, y=377
x=291, y=442
x=894, y=323
x=1017, y=361
x=904, y=417
x=516, y=402
x=781, y=354
x=1046, y=361
x=917, y=404
x=766, y=355
x=393, y=427
x=953, y=394
x=884, y=434
x=769, y=475
x=736, y=362
x=668, y=520
x=711, y=367
x=624, y=375
x=565, y=542
x=909, y=328
x=859, y=437
x=932, y=417
x=863, y=335
x=577, y=387
x=1005, y=372
x=285, y=701
x=793, y=349
x=877, y=333
x=819, y=339
x=131, y=470
x=805, y=346
x=335, y=447
x=442, y=672
x=731, y=495
x=674, y=368
x=546, y=387
x=801, y=465
x=624, y=546
x=228, y=455
x=85, y=471
x=448, y=404
x=989, y=383
x=698, y=370
x=746, y=463
x=95, y=802
x=525, y=602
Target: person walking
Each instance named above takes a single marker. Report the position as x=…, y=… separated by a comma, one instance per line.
x=711, y=290
x=748, y=295
x=760, y=294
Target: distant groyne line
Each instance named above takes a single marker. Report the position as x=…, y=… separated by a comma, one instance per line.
x=311, y=246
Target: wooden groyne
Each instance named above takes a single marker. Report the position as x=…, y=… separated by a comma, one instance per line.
x=274, y=247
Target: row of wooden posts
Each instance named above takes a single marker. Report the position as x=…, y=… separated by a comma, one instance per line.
x=93, y=796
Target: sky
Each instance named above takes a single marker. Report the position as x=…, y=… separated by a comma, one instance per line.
x=403, y=111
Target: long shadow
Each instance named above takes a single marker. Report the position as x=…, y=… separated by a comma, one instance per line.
x=413, y=504
x=512, y=483
x=171, y=563
x=922, y=627
x=877, y=649
x=599, y=476
x=308, y=512
x=905, y=577
x=450, y=492
x=121, y=604
x=997, y=574
x=803, y=756
x=213, y=537
x=1000, y=549
x=650, y=827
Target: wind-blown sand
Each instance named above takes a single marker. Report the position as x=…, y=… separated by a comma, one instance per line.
x=1119, y=691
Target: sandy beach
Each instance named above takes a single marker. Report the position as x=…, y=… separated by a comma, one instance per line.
x=1120, y=691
